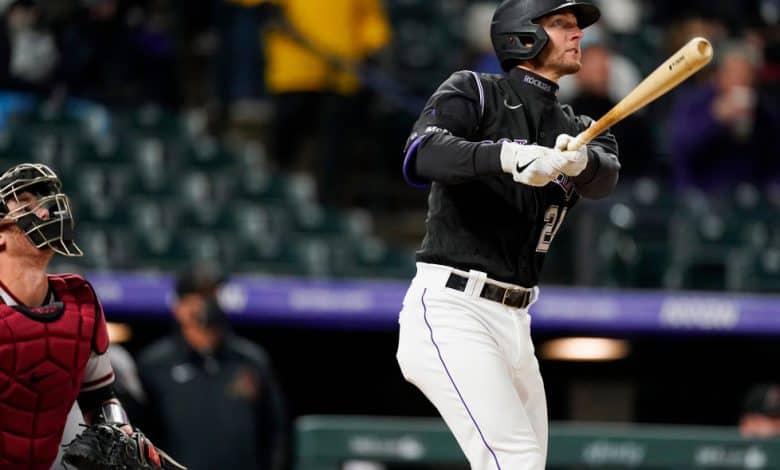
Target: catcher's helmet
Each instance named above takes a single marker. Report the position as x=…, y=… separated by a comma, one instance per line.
x=57, y=230
x=515, y=34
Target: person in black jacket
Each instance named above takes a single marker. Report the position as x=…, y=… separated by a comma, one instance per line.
x=212, y=395
x=492, y=149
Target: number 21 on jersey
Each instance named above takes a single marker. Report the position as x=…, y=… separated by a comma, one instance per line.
x=553, y=219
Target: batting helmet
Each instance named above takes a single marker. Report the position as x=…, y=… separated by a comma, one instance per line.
x=55, y=231
x=516, y=35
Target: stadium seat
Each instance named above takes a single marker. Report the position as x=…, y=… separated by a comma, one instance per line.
x=105, y=247
x=150, y=120
x=633, y=245
x=154, y=173
x=755, y=271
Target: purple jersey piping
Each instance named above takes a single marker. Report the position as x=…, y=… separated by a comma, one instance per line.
x=452, y=381
x=408, y=161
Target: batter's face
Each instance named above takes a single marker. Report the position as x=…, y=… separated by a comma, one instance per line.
x=562, y=54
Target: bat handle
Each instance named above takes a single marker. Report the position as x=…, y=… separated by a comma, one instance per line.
x=583, y=138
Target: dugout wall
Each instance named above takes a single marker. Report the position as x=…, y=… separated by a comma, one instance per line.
x=332, y=442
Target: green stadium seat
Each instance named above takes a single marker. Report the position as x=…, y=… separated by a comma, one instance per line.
x=633, y=245
x=251, y=221
x=268, y=253
x=105, y=247
x=700, y=271
x=160, y=248
x=151, y=120
x=312, y=218
x=370, y=257
x=755, y=271
x=107, y=148
x=153, y=170
x=261, y=185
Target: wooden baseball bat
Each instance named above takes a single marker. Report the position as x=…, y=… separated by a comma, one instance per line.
x=681, y=65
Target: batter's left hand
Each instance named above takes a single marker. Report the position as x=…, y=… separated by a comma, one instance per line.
x=569, y=162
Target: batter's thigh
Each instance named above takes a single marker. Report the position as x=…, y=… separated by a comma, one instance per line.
x=449, y=354
x=528, y=380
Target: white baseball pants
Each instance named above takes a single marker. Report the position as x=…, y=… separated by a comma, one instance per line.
x=474, y=360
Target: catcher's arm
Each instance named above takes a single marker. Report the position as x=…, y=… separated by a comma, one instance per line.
x=102, y=405
x=109, y=441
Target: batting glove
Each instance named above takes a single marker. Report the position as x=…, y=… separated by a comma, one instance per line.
x=569, y=162
x=529, y=164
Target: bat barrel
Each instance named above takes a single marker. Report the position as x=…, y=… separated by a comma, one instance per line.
x=682, y=64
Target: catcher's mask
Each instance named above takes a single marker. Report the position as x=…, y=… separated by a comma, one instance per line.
x=55, y=231
x=517, y=36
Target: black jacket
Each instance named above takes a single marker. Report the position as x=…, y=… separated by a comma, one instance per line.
x=478, y=216
x=224, y=410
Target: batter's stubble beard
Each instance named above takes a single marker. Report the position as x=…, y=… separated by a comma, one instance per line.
x=568, y=68
x=565, y=67
x=560, y=64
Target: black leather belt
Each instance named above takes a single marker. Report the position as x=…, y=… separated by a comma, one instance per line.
x=510, y=296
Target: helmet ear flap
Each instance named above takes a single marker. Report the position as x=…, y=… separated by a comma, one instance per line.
x=519, y=44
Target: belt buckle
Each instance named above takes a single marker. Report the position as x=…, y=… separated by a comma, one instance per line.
x=511, y=290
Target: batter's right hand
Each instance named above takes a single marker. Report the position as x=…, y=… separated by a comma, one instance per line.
x=528, y=164
x=569, y=162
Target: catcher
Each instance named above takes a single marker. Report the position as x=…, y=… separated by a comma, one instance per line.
x=52, y=341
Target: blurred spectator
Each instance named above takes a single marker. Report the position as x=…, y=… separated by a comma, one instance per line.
x=119, y=55
x=736, y=16
x=678, y=33
x=212, y=395
x=127, y=385
x=626, y=22
x=622, y=16
x=604, y=79
x=239, y=61
x=314, y=56
x=761, y=412
x=28, y=52
x=479, y=48
x=721, y=132
x=613, y=72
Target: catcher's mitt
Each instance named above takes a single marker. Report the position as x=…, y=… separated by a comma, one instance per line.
x=106, y=447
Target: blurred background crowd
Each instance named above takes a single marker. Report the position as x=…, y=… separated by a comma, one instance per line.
x=265, y=137
x=289, y=115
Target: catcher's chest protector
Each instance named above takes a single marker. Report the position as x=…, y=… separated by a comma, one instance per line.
x=43, y=355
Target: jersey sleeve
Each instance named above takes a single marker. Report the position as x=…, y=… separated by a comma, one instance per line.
x=98, y=372
x=440, y=147
x=100, y=340
x=601, y=174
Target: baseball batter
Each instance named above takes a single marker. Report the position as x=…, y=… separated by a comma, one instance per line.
x=491, y=149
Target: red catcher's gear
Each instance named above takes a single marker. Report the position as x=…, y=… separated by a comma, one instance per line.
x=43, y=355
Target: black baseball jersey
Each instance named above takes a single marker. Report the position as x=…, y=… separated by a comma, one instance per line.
x=478, y=216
